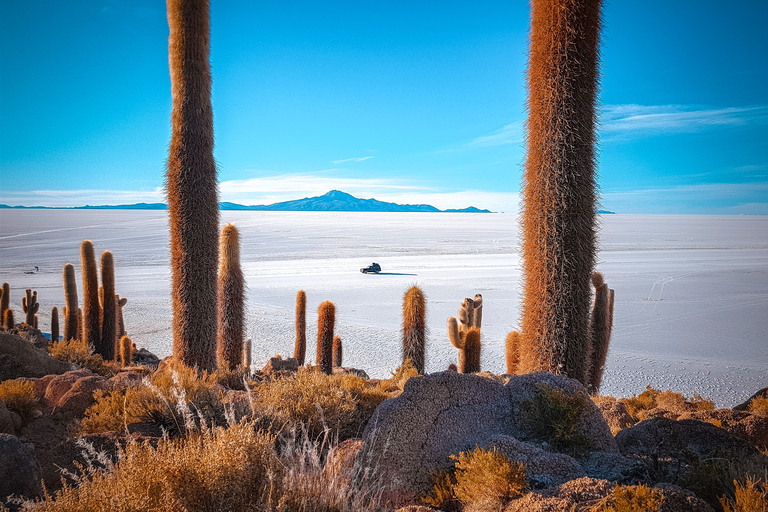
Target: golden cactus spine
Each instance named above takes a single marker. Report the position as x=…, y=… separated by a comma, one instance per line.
x=107, y=340
x=326, y=318
x=125, y=346
x=193, y=208
x=336, y=352
x=5, y=298
x=512, y=352
x=8, y=321
x=91, y=309
x=229, y=352
x=601, y=321
x=30, y=306
x=414, y=327
x=300, y=347
x=71, y=331
x=54, y=324
x=558, y=221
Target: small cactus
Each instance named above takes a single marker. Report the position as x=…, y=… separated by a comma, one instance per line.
x=8, y=321
x=119, y=323
x=469, y=358
x=54, y=324
x=71, y=331
x=325, y=324
x=5, y=297
x=470, y=319
x=126, y=351
x=512, y=350
x=231, y=315
x=300, y=347
x=247, y=353
x=91, y=309
x=336, y=352
x=30, y=306
x=601, y=323
x=414, y=327
x=107, y=343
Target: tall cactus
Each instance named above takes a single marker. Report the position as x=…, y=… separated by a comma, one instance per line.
x=5, y=297
x=54, y=324
x=70, y=303
x=414, y=327
x=558, y=221
x=91, y=308
x=229, y=352
x=108, y=341
x=326, y=318
x=337, y=352
x=300, y=347
x=193, y=208
x=30, y=306
x=601, y=321
x=8, y=321
x=512, y=350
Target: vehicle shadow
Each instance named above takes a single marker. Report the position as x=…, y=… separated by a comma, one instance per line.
x=391, y=274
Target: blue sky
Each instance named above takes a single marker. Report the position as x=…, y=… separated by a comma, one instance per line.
x=406, y=101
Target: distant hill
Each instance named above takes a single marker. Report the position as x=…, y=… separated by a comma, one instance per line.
x=333, y=201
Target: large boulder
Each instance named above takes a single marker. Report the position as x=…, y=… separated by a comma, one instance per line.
x=750, y=427
x=60, y=384
x=411, y=437
x=20, y=358
x=278, y=366
x=19, y=471
x=80, y=397
x=6, y=420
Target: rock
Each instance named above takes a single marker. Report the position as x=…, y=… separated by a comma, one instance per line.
x=615, y=468
x=744, y=406
x=20, y=358
x=19, y=471
x=144, y=357
x=343, y=370
x=278, y=365
x=677, y=499
x=80, y=396
x=544, y=469
x=753, y=428
x=412, y=436
x=126, y=379
x=6, y=420
x=60, y=384
x=341, y=460
x=615, y=414
x=669, y=447
x=33, y=336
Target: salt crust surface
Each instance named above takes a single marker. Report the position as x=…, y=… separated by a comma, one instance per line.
x=691, y=308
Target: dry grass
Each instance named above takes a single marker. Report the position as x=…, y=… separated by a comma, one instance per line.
x=748, y=497
x=629, y=498
x=554, y=417
x=759, y=405
x=639, y=405
x=80, y=353
x=19, y=397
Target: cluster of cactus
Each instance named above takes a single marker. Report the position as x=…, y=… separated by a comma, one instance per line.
x=30, y=306
x=465, y=334
x=414, y=328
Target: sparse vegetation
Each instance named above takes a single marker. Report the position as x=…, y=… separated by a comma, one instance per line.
x=759, y=405
x=639, y=405
x=18, y=396
x=630, y=498
x=79, y=352
x=554, y=416
x=750, y=497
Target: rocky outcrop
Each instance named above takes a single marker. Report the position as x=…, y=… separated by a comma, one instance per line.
x=752, y=428
x=343, y=370
x=744, y=406
x=7, y=424
x=19, y=471
x=412, y=436
x=279, y=366
x=20, y=358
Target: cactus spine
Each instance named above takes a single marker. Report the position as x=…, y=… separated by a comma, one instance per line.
x=30, y=306
x=193, y=208
x=326, y=318
x=125, y=345
x=5, y=298
x=54, y=324
x=512, y=352
x=414, y=327
x=91, y=308
x=601, y=321
x=559, y=197
x=8, y=321
x=300, y=347
x=336, y=352
x=229, y=352
x=108, y=341
x=71, y=331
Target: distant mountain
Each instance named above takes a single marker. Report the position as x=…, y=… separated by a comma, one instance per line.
x=333, y=201
x=605, y=211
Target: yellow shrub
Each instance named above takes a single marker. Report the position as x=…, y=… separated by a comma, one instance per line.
x=76, y=351
x=487, y=477
x=629, y=498
x=19, y=396
x=749, y=497
x=442, y=496
x=759, y=405
x=639, y=405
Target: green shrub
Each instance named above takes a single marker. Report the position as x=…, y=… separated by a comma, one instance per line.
x=554, y=416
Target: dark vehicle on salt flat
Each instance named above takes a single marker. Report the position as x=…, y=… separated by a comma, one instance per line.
x=373, y=268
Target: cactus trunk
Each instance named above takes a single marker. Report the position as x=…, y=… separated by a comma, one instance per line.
x=91, y=308
x=336, y=352
x=5, y=298
x=300, y=347
x=193, y=209
x=126, y=350
x=30, y=306
x=229, y=352
x=71, y=331
x=513, y=352
x=108, y=339
x=54, y=324
x=326, y=318
x=8, y=321
x=414, y=327
x=469, y=358
x=559, y=197
x=600, y=324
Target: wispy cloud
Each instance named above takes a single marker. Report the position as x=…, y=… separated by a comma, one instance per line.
x=359, y=159
x=509, y=134
x=647, y=119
